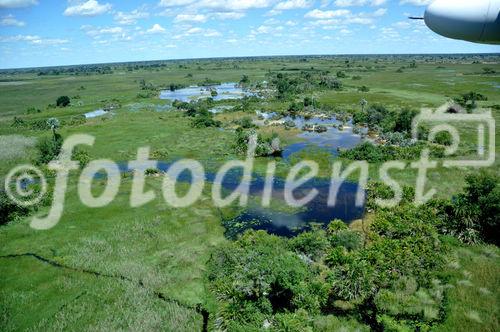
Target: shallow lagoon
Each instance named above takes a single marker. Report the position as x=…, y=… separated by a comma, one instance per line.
x=225, y=91
x=332, y=140
x=274, y=222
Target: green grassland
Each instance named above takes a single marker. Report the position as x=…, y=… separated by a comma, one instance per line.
x=119, y=268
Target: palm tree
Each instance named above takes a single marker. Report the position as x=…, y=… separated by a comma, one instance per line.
x=363, y=103
x=53, y=124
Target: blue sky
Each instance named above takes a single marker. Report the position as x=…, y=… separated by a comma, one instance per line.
x=60, y=32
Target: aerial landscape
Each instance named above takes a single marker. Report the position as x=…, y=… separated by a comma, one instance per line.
x=239, y=185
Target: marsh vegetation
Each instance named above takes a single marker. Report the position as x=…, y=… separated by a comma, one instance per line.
x=404, y=268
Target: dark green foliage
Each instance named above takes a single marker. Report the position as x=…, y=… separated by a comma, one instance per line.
x=175, y=86
x=489, y=71
x=347, y=239
x=266, y=146
x=381, y=153
x=382, y=191
x=204, y=121
x=391, y=281
x=353, y=281
x=330, y=83
x=443, y=138
x=63, y=101
x=9, y=210
x=33, y=110
x=245, y=122
x=363, y=88
x=18, y=122
x=335, y=226
x=294, y=109
x=475, y=214
x=244, y=79
x=256, y=277
x=49, y=148
x=312, y=244
x=341, y=74
x=380, y=118
x=404, y=119
x=82, y=156
x=469, y=100
x=404, y=244
x=308, y=101
x=147, y=86
x=39, y=125
x=397, y=139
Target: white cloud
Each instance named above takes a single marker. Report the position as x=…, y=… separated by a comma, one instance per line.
x=175, y=3
x=33, y=39
x=293, y=4
x=416, y=2
x=228, y=15
x=343, y=17
x=97, y=32
x=89, y=8
x=350, y=3
x=266, y=29
x=322, y=15
x=156, y=29
x=191, y=18
x=111, y=31
x=10, y=20
x=231, y=5
x=17, y=3
x=380, y=12
x=130, y=18
x=194, y=31
x=359, y=20
x=212, y=33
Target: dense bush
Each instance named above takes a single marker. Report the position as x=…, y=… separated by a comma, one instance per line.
x=474, y=215
x=312, y=244
x=204, y=121
x=392, y=282
x=382, y=153
x=245, y=122
x=469, y=100
x=380, y=118
x=380, y=190
x=257, y=277
x=266, y=146
x=81, y=156
x=63, y=101
x=49, y=148
x=8, y=209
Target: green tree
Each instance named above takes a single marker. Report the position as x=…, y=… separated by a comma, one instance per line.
x=63, y=101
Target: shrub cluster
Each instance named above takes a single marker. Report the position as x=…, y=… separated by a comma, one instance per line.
x=382, y=153
x=390, y=280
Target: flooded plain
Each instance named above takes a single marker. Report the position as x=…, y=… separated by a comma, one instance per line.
x=224, y=91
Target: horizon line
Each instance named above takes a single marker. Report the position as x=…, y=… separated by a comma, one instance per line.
x=245, y=57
